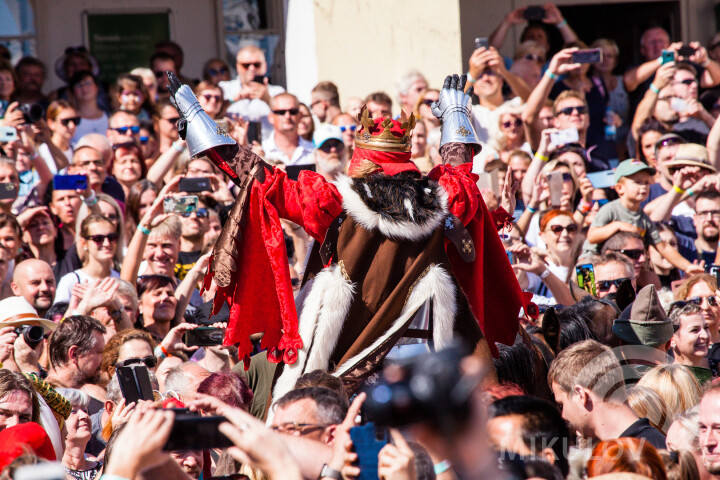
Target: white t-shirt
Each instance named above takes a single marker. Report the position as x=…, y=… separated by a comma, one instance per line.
x=87, y=125
x=63, y=291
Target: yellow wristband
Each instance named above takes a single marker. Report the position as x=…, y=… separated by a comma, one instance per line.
x=678, y=189
x=541, y=157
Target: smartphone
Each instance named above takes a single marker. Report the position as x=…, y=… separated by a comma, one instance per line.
x=40, y=471
x=667, y=56
x=565, y=136
x=488, y=181
x=195, y=432
x=678, y=104
x=254, y=132
x=555, y=185
x=534, y=13
x=194, y=185
x=135, y=383
x=70, y=182
x=204, y=336
x=368, y=441
x=592, y=55
x=586, y=278
x=8, y=190
x=481, y=42
x=293, y=171
x=184, y=204
x=685, y=51
x=259, y=78
x=603, y=179
x=714, y=270
x=8, y=134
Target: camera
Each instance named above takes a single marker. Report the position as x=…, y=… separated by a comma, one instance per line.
x=32, y=112
x=432, y=390
x=32, y=334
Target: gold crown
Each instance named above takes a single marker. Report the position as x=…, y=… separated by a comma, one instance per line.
x=385, y=135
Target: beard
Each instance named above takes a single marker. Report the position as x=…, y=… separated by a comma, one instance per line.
x=331, y=165
x=711, y=238
x=712, y=467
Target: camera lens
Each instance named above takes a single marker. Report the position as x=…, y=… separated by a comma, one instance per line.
x=32, y=112
x=33, y=335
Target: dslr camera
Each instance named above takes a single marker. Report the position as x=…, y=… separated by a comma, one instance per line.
x=431, y=389
x=32, y=334
x=32, y=112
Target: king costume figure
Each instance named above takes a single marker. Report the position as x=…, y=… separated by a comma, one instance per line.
x=397, y=257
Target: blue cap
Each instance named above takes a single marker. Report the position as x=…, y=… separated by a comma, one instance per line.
x=326, y=132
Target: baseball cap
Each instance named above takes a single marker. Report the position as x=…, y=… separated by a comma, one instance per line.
x=326, y=132
x=630, y=167
x=691, y=155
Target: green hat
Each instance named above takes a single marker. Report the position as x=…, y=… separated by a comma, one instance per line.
x=631, y=166
x=644, y=321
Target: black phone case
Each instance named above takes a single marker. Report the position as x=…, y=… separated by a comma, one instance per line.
x=195, y=432
x=135, y=383
x=204, y=337
x=194, y=185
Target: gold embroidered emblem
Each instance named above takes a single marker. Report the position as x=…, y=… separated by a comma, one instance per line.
x=463, y=131
x=466, y=245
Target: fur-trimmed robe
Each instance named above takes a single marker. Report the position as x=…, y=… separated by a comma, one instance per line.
x=390, y=260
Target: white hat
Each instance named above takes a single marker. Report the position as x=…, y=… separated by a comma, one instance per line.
x=16, y=311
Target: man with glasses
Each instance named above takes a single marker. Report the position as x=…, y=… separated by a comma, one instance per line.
x=194, y=225
x=123, y=127
x=707, y=228
x=611, y=269
x=250, y=64
x=633, y=247
x=90, y=162
x=694, y=121
x=311, y=412
x=285, y=144
x=330, y=153
x=160, y=63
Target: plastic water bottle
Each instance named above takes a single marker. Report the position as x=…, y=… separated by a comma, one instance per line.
x=610, y=130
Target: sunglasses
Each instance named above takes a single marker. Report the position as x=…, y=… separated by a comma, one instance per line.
x=428, y=102
x=687, y=81
x=345, y=128
x=200, y=213
x=124, y=130
x=604, y=285
x=99, y=240
x=633, y=253
x=291, y=111
x=711, y=299
x=159, y=74
x=172, y=119
x=669, y=142
x=708, y=213
x=488, y=71
x=143, y=139
x=330, y=144
x=557, y=229
x=517, y=122
x=150, y=361
x=251, y=64
x=209, y=97
x=580, y=110
x=68, y=121
x=220, y=71
x=600, y=202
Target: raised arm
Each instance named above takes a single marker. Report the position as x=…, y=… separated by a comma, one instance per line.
x=560, y=64
x=497, y=38
x=554, y=17
x=646, y=107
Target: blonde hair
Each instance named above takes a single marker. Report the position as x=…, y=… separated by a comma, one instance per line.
x=564, y=96
x=85, y=211
x=498, y=140
x=170, y=227
x=675, y=384
x=553, y=164
x=646, y=403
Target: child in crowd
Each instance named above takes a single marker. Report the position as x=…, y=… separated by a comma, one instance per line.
x=632, y=184
x=131, y=95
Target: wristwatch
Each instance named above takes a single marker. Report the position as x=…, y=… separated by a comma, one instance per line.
x=329, y=472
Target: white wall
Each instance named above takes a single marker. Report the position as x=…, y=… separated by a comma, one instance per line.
x=301, y=65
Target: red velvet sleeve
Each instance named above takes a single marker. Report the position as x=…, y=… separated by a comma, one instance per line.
x=312, y=202
x=460, y=184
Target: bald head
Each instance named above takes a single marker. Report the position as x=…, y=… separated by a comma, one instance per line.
x=34, y=280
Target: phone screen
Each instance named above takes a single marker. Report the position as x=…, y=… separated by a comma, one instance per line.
x=586, y=278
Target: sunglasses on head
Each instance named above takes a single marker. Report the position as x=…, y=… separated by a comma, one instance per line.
x=124, y=130
x=517, y=122
x=209, y=97
x=345, y=128
x=251, y=64
x=633, y=253
x=557, y=229
x=219, y=71
x=68, y=121
x=150, y=362
x=291, y=111
x=200, y=212
x=99, y=240
x=580, y=110
x=604, y=285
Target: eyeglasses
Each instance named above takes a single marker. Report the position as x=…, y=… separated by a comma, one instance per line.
x=291, y=111
x=712, y=300
x=200, y=213
x=488, y=71
x=143, y=139
x=600, y=202
x=86, y=163
x=708, y=213
x=604, y=285
x=68, y=121
x=219, y=71
x=517, y=122
x=345, y=128
x=150, y=361
x=634, y=253
x=580, y=110
x=316, y=102
x=159, y=74
x=245, y=66
x=209, y=97
x=124, y=130
x=330, y=144
x=557, y=229
x=300, y=428
x=172, y=119
x=99, y=240
x=687, y=81
x=532, y=56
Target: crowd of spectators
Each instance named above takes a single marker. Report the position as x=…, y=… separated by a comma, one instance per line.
x=625, y=215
